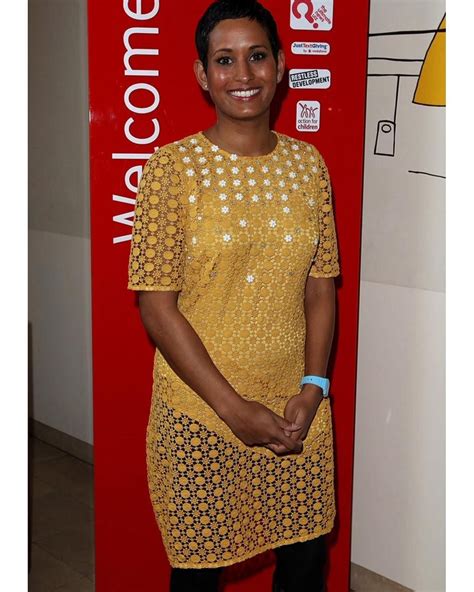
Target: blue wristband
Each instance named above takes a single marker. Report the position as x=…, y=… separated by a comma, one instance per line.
x=318, y=381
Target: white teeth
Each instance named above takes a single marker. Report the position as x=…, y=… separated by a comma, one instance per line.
x=244, y=93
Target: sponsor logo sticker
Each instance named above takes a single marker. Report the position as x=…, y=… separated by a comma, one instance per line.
x=308, y=116
x=309, y=79
x=312, y=15
x=310, y=48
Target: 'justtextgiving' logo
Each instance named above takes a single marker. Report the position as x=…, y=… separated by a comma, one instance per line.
x=308, y=116
x=309, y=79
x=310, y=48
x=311, y=14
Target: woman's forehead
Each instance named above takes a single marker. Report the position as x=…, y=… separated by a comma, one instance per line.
x=237, y=33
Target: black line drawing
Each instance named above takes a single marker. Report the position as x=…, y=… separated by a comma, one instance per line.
x=429, y=90
x=429, y=174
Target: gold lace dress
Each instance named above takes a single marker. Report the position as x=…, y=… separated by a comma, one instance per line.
x=237, y=236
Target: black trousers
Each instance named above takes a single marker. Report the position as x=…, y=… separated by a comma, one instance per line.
x=299, y=568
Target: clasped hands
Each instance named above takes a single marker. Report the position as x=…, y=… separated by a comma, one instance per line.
x=256, y=425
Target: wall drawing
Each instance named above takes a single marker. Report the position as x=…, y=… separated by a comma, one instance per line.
x=430, y=71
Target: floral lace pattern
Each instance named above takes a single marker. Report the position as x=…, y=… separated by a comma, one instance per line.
x=237, y=237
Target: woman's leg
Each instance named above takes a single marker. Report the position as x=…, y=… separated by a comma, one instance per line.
x=300, y=567
x=195, y=580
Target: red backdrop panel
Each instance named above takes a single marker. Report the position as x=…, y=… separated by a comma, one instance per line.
x=143, y=95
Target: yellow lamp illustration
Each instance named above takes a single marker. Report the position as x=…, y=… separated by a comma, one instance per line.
x=431, y=87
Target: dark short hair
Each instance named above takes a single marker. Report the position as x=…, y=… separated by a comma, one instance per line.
x=234, y=9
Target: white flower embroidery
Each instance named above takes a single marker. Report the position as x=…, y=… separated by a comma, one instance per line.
x=225, y=209
x=282, y=184
x=198, y=149
x=190, y=172
x=182, y=149
x=288, y=238
x=265, y=169
x=306, y=178
x=289, y=163
x=222, y=183
x=239, y=196
x=284, y=197
x=226, y=238
x=279, y=171
x=286, y=210
x=292, y=174
x=243, y=223
x=314, y=169
x=236, y=182
x=285, y=152
x=250, y=169
x=202, y=160
x=222, y=196
x=214, y=148
x=193, y=141
x=297, y=157
x=219, y=170
x=274, y=157
x=194, y=240
x=266, y=182
x=295, y=186
x=311, y=202
x=205, y=172
x=272, y=223
x=295, y=146
x=206, y=182
x=186, y=159
x=192, y=199
x=269, y=195
x=255, y=197
x=233, y=157
x=235, y=170
x=218, y=158
x=252, y=182
x=250, y=278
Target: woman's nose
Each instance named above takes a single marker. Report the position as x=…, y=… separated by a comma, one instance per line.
x=243, y=71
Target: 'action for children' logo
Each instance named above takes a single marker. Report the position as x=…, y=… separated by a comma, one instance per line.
x=311, y=14
x=308, y=116
x=309, y=78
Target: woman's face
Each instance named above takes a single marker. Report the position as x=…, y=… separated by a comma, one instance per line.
x=242, y=73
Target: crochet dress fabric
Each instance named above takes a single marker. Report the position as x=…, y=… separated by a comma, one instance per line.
x=237, y=236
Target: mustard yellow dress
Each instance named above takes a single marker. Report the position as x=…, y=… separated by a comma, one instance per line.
x=238, y=237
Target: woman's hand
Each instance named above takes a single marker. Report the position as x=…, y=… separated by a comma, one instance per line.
x=300, y=410
x=256, y=425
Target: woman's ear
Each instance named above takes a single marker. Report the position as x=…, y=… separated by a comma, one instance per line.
x=280, y=65
x=200, y=74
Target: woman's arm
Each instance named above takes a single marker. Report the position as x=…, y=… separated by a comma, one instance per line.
x=186, y=354
x=320, y=313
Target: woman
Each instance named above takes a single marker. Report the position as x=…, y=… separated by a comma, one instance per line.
x=234, y=254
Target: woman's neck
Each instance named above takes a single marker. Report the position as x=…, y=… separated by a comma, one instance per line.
x=246, y=138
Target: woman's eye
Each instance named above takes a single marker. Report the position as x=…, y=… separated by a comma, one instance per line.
x=260, y=55
x=223, y=61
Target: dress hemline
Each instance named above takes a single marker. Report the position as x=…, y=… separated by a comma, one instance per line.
x=269, y=547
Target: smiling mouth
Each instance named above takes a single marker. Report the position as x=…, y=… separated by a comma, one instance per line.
x=244, y=94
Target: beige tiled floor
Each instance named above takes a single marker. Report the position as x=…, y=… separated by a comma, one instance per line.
x=61, y=521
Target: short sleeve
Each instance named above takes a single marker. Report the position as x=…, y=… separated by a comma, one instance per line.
x=326, y=262
x=157, y=249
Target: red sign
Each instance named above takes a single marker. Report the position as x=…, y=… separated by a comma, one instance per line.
x=143, y=95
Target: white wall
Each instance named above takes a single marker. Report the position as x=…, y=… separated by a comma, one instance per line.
x=59, y=238
x=399, y=473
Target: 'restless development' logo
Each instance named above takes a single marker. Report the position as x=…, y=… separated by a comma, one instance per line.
x=311, y=14
x=308, y=116
x=300, y=78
